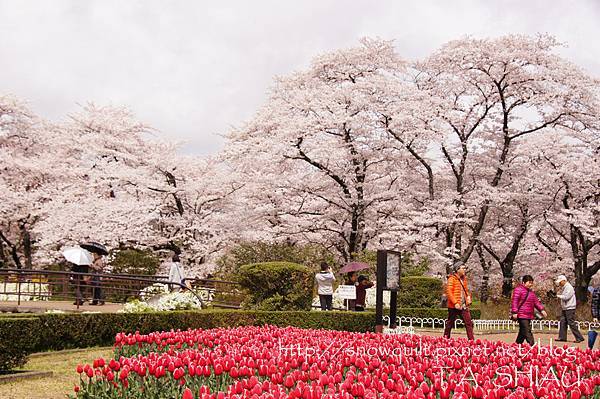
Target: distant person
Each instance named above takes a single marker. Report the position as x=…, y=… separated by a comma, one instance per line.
x=96, y=282
x=592, y=334
x=176, y=273
x=459, y=300
x=363, y=284
x=97, y=267
x=80, y=282
x=568, y=303
x=524, y=304
x=325, y=279
x=351, y=279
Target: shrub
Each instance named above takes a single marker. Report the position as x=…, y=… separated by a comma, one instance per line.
x=129, y=261
x=259, y=252
x=277, y=286
x=17, y=342
x=410, y=267
x=135, y=261
x=420, y=292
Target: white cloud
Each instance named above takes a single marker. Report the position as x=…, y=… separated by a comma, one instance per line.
x=194, y=69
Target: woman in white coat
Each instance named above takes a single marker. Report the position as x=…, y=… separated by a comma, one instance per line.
x=176, y=273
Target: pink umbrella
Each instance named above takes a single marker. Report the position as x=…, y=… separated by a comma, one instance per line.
x=354, y=266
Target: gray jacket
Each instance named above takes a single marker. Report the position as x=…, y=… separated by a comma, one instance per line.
x=567, y=297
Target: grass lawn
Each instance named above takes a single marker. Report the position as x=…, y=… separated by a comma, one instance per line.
x=64, y=377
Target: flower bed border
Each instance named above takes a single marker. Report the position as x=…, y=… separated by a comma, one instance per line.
x=24, y=375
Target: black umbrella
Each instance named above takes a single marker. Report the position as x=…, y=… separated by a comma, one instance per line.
x=95, y=247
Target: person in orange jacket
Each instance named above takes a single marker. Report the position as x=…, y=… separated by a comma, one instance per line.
x=459, y=300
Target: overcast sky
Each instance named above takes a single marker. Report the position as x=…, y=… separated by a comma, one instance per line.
x=194, y=69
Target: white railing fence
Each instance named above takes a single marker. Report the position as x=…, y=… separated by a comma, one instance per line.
x=482, y=324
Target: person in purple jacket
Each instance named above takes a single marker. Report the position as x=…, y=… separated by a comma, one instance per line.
x=524, y=304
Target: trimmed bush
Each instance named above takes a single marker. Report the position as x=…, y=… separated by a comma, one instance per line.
x=135, y=261
x=277, y=286
x=420, y=292
x=18, y=337
x=260, y=251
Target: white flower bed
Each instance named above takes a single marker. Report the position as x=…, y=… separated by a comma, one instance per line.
x=166, y=302
x=29, y=291
x=153, y=290
x=178, y=301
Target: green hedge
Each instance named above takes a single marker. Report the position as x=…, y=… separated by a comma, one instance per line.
x=20, y=336
x=17, y=340
x=277, y=286
x=420, y=292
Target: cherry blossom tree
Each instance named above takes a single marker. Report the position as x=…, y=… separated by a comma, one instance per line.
x=102, y=196
x=494, y=94
x=24, y=177
x=571, y=226
x=102, y=176
x=197, y=207
x=315, y=161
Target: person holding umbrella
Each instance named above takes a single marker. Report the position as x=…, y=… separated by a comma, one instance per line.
x=351, y=279
x=362, y=285
x=81, y=260
x=98, y=250
x=350, y=269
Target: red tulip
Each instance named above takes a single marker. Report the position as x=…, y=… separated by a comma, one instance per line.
x=187, y=394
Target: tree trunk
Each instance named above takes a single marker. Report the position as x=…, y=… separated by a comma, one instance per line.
x=581, y=292
x=26, y=241
x=13, y=251
x=170, y=246
x=484, y=289
x=507, y=280
x=3, y=257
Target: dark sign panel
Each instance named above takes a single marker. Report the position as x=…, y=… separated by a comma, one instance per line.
x=389, y=271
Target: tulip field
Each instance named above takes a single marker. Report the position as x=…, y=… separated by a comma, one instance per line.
x=274, y=362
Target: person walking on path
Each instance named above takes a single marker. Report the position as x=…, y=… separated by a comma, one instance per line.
x=361, y=293
x=325, y=279
x=592, y=334
x=524, y=304
x=459, y=300
x=176, y=273
x=568, y=303
x=97, y=268
x=80, y=282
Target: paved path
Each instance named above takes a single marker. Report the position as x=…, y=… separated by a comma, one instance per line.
x=65, y=306
x=545, y=338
